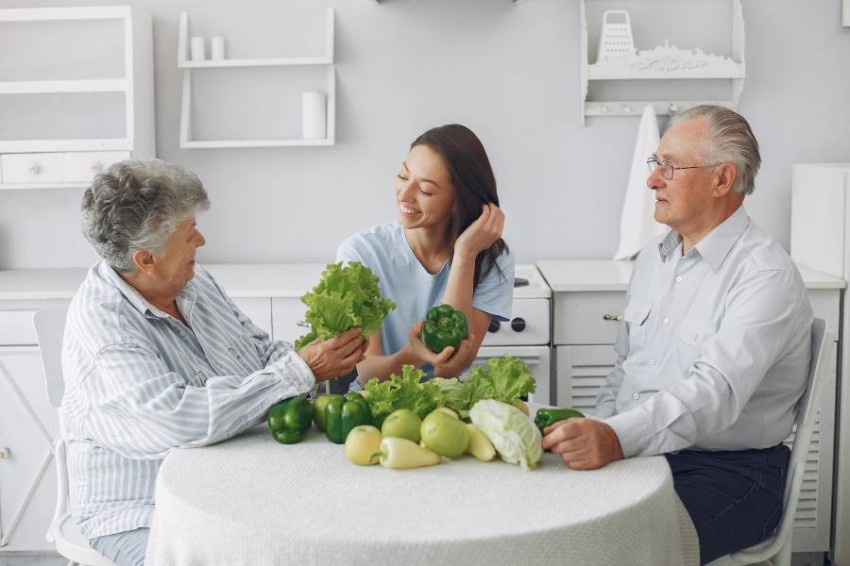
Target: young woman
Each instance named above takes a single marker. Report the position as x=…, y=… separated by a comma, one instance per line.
x=445, y=248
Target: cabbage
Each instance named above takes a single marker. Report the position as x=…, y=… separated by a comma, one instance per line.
x=513, y=434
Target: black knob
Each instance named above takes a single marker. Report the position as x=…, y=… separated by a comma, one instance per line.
x=518, y=324
x=494, y=325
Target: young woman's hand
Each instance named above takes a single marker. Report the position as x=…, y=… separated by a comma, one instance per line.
x=482, y=233
x=451, y=361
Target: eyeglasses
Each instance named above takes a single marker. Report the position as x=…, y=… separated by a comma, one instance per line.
x=668, y=168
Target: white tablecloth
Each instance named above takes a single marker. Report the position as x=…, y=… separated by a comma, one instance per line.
x=253, y=501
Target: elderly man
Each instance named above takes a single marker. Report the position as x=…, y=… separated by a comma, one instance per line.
x=156, y=356
x=714, y=346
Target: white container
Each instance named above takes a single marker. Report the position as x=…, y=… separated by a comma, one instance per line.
x=314, y=115
x=197, y=46
x=217, y=48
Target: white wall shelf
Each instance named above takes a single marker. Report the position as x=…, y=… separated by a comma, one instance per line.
x=32, y=154
x=189, y=66
x=662, y=63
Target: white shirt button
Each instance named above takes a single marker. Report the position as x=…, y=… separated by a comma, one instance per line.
x=652, y=361
x=635, y=396
x=679, y=279
x=666, y=321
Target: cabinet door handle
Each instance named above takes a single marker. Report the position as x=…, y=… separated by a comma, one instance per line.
x=5, y=453
x=614, y=317
x=34, y=169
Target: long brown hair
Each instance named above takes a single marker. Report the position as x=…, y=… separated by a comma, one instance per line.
x=474, y=183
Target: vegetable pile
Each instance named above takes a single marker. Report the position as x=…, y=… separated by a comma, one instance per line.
x=402, y=392
x=347, y=297
x=506, y=379
x=404, y=423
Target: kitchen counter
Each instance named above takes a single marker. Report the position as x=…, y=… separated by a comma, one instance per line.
x=240, y=280
x=568, y=275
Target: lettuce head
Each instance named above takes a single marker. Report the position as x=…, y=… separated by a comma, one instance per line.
x=346, y=297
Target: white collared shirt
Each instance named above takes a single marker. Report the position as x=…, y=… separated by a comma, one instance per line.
x=139, y=383
x=714, y=345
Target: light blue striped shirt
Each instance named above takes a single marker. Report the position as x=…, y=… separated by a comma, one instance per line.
x=139, y=383
x=714, y=345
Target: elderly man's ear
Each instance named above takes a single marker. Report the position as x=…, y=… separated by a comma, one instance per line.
x=724, y=181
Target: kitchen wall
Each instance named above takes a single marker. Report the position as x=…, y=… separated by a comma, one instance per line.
x=510, y=72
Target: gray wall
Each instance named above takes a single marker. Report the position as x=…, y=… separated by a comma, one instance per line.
x=510, y=72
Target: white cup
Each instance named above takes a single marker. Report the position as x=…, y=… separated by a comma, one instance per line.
x=217, y=48
x=198, y=51
x=314, y=115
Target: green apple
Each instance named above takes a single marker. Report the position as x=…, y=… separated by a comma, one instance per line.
x=402, y=423
x=444, y=434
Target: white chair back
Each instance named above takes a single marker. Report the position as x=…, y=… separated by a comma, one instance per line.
x=69, y=541
x=49, y=327
x=778, y=547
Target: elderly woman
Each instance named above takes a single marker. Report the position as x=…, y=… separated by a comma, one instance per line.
x=156, y=356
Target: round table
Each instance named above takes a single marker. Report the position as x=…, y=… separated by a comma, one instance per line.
x=252, y=501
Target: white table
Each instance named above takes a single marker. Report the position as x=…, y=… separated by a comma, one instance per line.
x=251, y=500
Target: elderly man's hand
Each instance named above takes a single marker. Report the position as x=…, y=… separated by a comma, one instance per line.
x=334, y=357
x=584, y=444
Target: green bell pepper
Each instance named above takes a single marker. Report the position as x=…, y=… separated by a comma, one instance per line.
x=290, y=419
x=343, y=413
x=547, y=417
x=444, y=326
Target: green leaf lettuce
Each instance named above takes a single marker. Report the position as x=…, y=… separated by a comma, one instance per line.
x=348, y=296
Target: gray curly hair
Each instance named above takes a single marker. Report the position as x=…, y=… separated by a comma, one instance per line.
x=136, y=205
x=730, y=140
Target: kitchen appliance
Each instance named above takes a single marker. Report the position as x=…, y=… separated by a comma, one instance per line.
x=526, y=335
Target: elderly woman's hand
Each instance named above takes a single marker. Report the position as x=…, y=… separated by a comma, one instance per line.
x=334, y=357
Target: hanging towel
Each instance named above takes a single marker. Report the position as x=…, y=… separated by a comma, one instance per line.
x=637, y=225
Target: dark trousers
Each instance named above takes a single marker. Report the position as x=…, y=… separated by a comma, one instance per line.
x=734, y=498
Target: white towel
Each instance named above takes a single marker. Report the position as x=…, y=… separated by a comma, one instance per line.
x=637, y=225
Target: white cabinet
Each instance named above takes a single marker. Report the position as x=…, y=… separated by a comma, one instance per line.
x=76, y=93
x=820, y=238
x=28, y=425
x=620, y=85
x=588, y=297
x=287, y=312
x=323, y=63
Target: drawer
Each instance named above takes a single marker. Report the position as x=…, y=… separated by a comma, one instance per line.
x=582, y=317
x=32, y=167
x=82, y=166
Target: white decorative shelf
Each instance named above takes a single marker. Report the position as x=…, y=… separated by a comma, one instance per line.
x=31, y=158
x=188, y=66
x=662, y=63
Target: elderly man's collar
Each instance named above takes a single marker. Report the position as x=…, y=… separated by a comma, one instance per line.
x=134, y=297
x=716, y=245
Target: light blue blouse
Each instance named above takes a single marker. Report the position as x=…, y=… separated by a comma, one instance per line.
x=385, y=250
